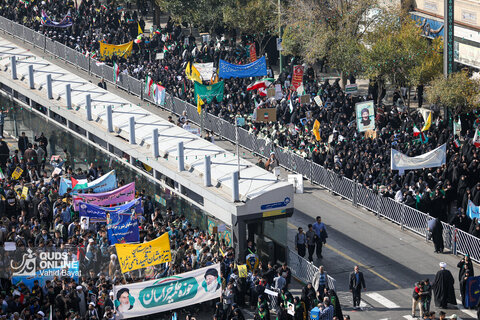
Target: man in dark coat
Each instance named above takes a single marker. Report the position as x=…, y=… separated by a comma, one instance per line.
x=436, y=229
x=443, y=290
x=357, y=282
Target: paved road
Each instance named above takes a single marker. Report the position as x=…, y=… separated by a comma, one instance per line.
x=392, y=260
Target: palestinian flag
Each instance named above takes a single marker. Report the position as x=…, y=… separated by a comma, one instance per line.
x=116, y=72
x=457, y=143
x=476, y=139
x=263, y=83
x=79, y=184
x=148, y=85
x=416, y=132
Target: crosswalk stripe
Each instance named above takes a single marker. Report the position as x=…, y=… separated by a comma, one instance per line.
x=382, y=300
x=409, y=317
x=462, y=309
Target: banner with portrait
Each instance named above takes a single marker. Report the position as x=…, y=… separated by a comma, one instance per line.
x=99, y=214
x=138, y=256
x=170, y=293
x=365, y=112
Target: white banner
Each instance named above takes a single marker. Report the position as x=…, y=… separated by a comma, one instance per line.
x=206, y=70
x=434, y=158
x=149, y=297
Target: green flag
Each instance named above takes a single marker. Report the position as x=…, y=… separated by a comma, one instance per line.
x=207, y=93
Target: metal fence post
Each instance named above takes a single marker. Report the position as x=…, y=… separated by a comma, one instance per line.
x=402, y=218
x=311, y=171
x=354, y=195
x=454, y=241
x=426, y=233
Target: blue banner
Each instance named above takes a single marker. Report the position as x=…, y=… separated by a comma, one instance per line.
x=472, y=292
x=473, y=211
x=105, y=183
x=257, y=68
x=122, y=228
x=99, y=214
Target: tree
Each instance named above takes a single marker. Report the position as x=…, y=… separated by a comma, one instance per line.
x=329, y=29
x=458, y=92
x=252, y=17
x=206, y=14
x=394, y=51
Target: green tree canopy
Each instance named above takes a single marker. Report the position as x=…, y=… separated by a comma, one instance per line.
x=458, y=92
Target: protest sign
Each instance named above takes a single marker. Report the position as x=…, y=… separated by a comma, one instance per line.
x=122, y=227
x=120, y=195
x=318, y=101
x=207, y=93
x=242, y=271
x=472, y=292
x=206, y=70
x=174, y=292
x=17, y=173
x=434, y=158
x=297, y=79
x=370, y=134
x=305, y=99
x=99, y=214
x=365, y=116
x=253, y=69
x=278, y=92
x=267, y=115
x=107, y=182
x=473, y=211
x=137, y=256
x=351, y=88
x=121, y=50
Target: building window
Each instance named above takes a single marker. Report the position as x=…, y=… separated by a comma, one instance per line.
x=469, y=16
x=430, y=6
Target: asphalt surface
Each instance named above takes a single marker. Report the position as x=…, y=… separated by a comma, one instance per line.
x=392, y=260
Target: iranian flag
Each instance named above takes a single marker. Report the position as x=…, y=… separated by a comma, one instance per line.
x=457, y=143
x=416, y=132
x=476, y=139
x=148, y=85
x=260, y=84
x=116, y=72
x=79, y=184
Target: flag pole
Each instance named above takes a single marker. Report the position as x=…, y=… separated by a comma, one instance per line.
x=201, y=122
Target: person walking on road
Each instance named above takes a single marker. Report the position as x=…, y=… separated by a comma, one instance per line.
x=417, y=299
x=436, y=232
x=356, y=284
x=300, y=242
x=310, y=242
x=320, y=235
x=443, y=290
x=464, y=265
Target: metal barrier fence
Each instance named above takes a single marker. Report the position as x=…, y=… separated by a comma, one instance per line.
x=407, y=217
x=304, y=270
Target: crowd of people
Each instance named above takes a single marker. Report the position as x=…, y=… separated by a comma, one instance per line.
x=442, y=192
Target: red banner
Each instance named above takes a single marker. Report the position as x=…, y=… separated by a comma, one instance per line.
x=253, y=52
x=297, y=76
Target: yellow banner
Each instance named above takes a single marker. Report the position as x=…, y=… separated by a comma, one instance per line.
x=121, y=50
x=17, y=173
x=25, y=192
x=137, y=256
x=242, y=271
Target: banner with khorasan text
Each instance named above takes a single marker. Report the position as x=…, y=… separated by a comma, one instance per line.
x=121, y=50
x=170, y=293
x=431, y=159
x=120, y=195
x=138, y=256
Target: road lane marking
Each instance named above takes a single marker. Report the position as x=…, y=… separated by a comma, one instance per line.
x=462, y=309
x=382, y=300
x=344, y=255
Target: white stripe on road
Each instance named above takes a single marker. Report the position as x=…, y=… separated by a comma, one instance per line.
x=382, y=300
x=409, y=317
x=469, y=312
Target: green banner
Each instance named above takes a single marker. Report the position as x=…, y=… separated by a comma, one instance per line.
x=207, y=93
